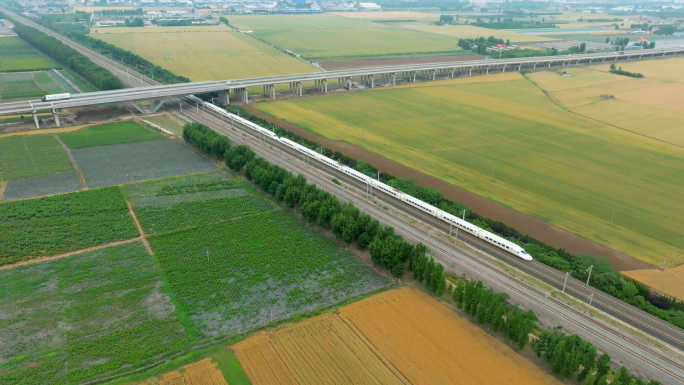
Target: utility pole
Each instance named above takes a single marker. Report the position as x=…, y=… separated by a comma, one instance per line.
x=566, y=281
x=181, y=107
x=590, y=269
x=612, y=217
x=591, y=298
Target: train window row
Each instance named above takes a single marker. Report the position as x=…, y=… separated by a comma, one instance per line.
x=418, y=205
x=390, y=191
x=497, y=242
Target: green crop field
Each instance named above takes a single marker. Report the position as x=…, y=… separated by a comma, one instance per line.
x=31, y=155
x=188, y=202
x=562, y=168
x=42, y=185
x=361, y=43
x=256, y=268
x=113, y=133
x=131, y=162
x=16, y=55
x=62, y=223
x=27, y=85
x=82, y=315
x=228, y=261
x=208, y=55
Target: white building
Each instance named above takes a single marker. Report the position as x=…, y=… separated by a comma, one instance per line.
x=370, y=7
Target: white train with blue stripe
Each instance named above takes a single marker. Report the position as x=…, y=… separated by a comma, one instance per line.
x=468, y=227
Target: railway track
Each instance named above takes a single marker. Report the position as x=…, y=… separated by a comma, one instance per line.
x=653, y=357
x=627, y=313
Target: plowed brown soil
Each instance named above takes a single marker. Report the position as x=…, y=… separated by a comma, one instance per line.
x=527, y=225
x=202, y=372
x=430, y=344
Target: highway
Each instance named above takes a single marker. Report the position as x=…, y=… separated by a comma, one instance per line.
x=155, y=91
x=646, y=356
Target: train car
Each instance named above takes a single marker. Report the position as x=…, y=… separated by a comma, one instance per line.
x=417, y=203
x=329, y=162
x=289, y=143
x=389, y=190
x=458, y=222
x=504, y=245
x=53, y=97
x=355, y=174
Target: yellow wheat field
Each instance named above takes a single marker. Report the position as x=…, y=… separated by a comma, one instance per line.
x=323, y=350
x=431, y=344
x=670, y=281
x=208, y=55
x=202, y=372
x=398, y=337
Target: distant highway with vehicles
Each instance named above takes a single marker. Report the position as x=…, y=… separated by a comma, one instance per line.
x=344, y=78
x=647, y=355
x=147, y=89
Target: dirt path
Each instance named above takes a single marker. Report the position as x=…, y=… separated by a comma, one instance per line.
x=525, y=224
x=3, y=187
x=51, y=257
x=72, y=160
x=143, y=236
x=339, y=65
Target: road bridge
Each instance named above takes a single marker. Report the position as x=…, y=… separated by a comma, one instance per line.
x=342, y=78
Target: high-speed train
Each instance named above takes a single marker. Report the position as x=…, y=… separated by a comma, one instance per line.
x=468, y=227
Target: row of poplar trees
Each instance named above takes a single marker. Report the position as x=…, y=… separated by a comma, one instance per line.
x=568, y=356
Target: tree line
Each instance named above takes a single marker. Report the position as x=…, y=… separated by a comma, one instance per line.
x=98, y=76
x=603, y=277
x=206, y=139
x=346, y=221
x=569, y=356
x=620, y=71
x=80, y=35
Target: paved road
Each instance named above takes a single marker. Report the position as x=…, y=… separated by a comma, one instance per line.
x=652, y=357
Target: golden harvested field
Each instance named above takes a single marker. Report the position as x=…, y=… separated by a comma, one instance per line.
x=430, y=344
x=216, y=55
x=322, y=350
x=670, y=281
x=471, y=32
x=402, y=336
x=669, y=70
x=203, y=372
x=652, y=106
x=262, y=363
